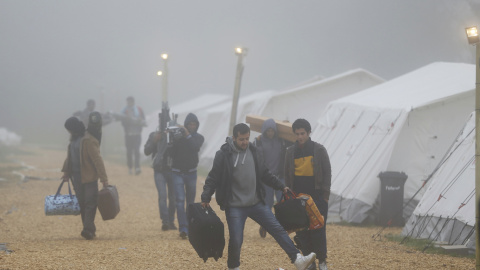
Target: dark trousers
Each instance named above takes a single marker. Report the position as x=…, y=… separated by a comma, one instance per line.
x=132, y=143
x=87, y=198
x=315, y=240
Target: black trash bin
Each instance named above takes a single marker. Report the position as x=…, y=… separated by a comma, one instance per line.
x=391, y=198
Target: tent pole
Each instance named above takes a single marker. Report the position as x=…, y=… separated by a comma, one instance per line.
x=477, y=156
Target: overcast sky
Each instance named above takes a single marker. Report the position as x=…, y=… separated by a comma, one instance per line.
x=54, y=55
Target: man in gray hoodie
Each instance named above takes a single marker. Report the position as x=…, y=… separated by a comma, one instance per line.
x=236, y=177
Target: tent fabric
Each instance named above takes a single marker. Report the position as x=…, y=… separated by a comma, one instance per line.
x=446, y=211
x=217, y=121
x=310, y=99
x=305, y=100
x=403, y=125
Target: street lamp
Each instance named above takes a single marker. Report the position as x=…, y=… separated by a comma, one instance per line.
x=241, y=53
x=472, y=36
x=165, y=79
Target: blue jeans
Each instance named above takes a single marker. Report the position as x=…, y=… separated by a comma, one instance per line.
x=164, y=184
x=270, y=192
x=262, y=214
x=185, y=189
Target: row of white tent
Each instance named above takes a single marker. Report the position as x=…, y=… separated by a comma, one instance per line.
x=368, y=126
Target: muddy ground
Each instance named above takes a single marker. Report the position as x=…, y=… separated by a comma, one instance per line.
x=134, y=239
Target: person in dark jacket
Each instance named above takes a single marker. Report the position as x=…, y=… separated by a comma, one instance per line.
x=184, y=154
x=308, y=170
x=236, y=179
x=272, y=152
x=156, y=146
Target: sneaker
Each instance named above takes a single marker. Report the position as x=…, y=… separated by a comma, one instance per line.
x=312, y=266
x=263, y=232
x=302, y=262
x=165, y=227
x=87, y=235
x=183, y=235
x=322, y=265
x=172, y=226
x=130, y=171
x=137, y=171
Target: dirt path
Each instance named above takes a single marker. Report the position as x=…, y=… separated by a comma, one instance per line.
x=134, y=240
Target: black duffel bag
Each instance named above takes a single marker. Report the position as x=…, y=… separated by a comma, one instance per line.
x=291, y=212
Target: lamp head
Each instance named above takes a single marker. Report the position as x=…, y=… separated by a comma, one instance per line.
x=241, y=51
x=164, y=56
x=472, y=35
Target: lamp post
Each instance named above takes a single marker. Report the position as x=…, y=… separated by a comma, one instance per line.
x=165, y=79
x=241, y=53
x=472, y=35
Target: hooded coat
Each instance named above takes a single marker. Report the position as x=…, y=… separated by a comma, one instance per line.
x=219, y=179
x=272, y=151
x=184, y=152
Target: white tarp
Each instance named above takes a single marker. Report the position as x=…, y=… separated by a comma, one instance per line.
x=9, y=138
x=310, y=99
x=214, y=126
x=404, y=125
x=446, y=211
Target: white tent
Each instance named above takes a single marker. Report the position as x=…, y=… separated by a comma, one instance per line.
x=446, y=211
x=215, y=124
x=403, y=125
x=310, y=99
x=194, y=105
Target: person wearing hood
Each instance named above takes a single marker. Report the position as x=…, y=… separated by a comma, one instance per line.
x=184, y=155
x=84, y=166
x=271, y=150
x=236, y=179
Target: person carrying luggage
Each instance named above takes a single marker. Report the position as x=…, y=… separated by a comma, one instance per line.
x=271, y=149
x=308, y=171
x=85, y=166
x=236, y=177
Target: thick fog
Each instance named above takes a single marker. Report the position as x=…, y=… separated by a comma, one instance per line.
x=55, y=55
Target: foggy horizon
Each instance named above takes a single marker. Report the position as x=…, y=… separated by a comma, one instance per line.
x=54, y=55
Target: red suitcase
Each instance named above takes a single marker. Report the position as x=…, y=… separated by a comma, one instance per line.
x=108, y=203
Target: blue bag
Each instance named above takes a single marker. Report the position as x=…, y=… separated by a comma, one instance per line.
x=62, y=204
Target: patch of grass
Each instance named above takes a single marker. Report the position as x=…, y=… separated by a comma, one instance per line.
x=365, y=224
x=423, y=245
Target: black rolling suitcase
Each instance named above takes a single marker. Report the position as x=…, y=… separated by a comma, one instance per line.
x=205, y=232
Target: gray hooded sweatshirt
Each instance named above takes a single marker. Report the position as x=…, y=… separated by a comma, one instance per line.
x=244, y=191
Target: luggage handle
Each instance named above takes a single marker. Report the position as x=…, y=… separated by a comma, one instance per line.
x=208, y=209
x=60, y=188
x=288, y=195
